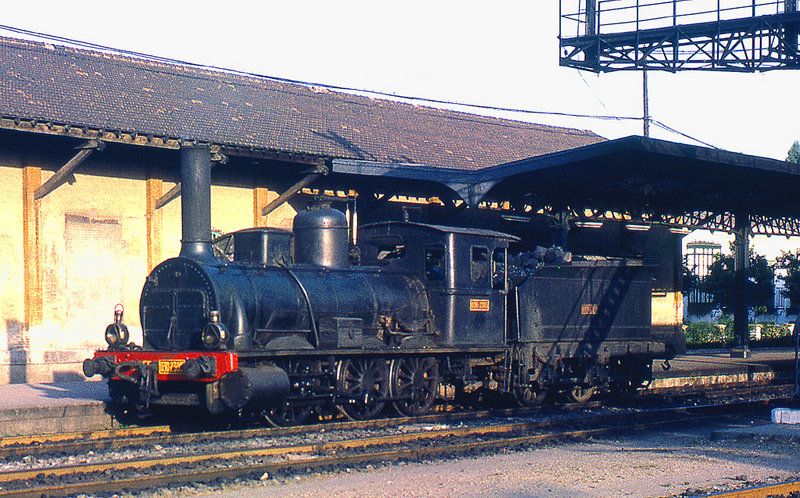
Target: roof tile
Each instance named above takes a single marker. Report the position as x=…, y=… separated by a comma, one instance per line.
x=114, y=92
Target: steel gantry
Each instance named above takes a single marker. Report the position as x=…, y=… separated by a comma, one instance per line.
x=676, y=35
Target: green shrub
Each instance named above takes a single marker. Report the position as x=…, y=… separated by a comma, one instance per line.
x=774, y=331
x=775, y=335
x=720, y=334
x=704, y=333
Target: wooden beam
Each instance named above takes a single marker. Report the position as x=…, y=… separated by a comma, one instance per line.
x=63, y=174
x=32, y=264
x=261, y=196
x=171, y=195
x=297, y=187
x=155, y=223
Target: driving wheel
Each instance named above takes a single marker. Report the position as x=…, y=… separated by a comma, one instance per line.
x=580, y=394
x=415, y=381
x=530, y=395
x=364, y=383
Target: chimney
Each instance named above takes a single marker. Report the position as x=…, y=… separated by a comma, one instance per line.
x=196, y=204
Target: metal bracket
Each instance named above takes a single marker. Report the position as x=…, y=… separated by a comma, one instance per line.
x=217, y=156
x=472, y=193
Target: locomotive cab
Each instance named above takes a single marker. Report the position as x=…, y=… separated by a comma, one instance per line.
x=463, y=271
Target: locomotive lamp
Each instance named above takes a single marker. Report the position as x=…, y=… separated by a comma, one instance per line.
x=117, y=334
x=214, y=333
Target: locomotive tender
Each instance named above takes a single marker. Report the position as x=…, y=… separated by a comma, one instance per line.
x=287, y=323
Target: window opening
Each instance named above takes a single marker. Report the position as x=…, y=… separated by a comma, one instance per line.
x=498, y=269
x=480, y=264
x=391, y=251
x=434, y=262
x=223, y=247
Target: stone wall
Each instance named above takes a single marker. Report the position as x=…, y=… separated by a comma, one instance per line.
x=13, y=342
x=92, y=239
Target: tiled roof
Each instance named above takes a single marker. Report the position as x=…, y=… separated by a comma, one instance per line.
x=83, y=88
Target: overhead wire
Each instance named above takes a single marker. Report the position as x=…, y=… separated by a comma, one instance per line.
x=673, y=130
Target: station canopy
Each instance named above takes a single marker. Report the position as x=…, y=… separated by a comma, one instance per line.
x=633, y=179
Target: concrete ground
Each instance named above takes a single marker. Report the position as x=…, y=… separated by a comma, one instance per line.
x=667, y=462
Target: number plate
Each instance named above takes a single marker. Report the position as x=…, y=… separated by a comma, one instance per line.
x=479, y=305
x=170, y=367
x=589, y=309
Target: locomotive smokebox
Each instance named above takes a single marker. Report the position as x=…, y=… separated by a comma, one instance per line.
x=321, y=237
x=196, y=204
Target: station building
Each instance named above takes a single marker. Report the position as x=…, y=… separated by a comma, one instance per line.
x=89, y=164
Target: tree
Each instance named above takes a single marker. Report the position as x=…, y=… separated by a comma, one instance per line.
x=791, y=263
x=720, y=282
x=691, y=281
x=794, y=153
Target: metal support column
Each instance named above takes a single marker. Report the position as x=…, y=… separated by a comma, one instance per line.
x=796, y=334
x=645, y=104
x=792, y=32
x=741, y=331
x=591, y=17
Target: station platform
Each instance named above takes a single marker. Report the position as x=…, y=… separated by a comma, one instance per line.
x=28, y=409
x=31, y=409
x=706, y=367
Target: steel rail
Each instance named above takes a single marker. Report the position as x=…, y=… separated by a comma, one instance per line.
x=709, y=391
x=782, y=489
x=143, y=482
x=68, y=437
x=124, y=438
x=165, y=435
x=326, y=455
x=283, y=451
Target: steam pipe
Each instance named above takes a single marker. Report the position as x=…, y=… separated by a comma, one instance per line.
x=196, y=204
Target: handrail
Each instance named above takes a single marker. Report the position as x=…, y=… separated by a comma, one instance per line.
x=615, y=16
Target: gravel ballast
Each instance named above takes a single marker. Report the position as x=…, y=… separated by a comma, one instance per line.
x=674, y=461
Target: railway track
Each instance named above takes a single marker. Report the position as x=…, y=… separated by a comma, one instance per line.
x=165, y=434
x=783, y=489
x=169, y=435
x=287, y=450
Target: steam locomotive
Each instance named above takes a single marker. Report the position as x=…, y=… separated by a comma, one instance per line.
x=292, y=323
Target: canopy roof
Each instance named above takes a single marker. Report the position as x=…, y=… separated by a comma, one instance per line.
x=633, y=178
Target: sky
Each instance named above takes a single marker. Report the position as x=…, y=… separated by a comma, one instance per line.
x=501, y=54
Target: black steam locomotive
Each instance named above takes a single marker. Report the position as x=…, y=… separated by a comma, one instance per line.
x=287, y=324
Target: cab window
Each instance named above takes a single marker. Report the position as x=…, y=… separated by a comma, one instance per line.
x=479, y=264
x=498, y=269
x=435, y=262
x=391, y=251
